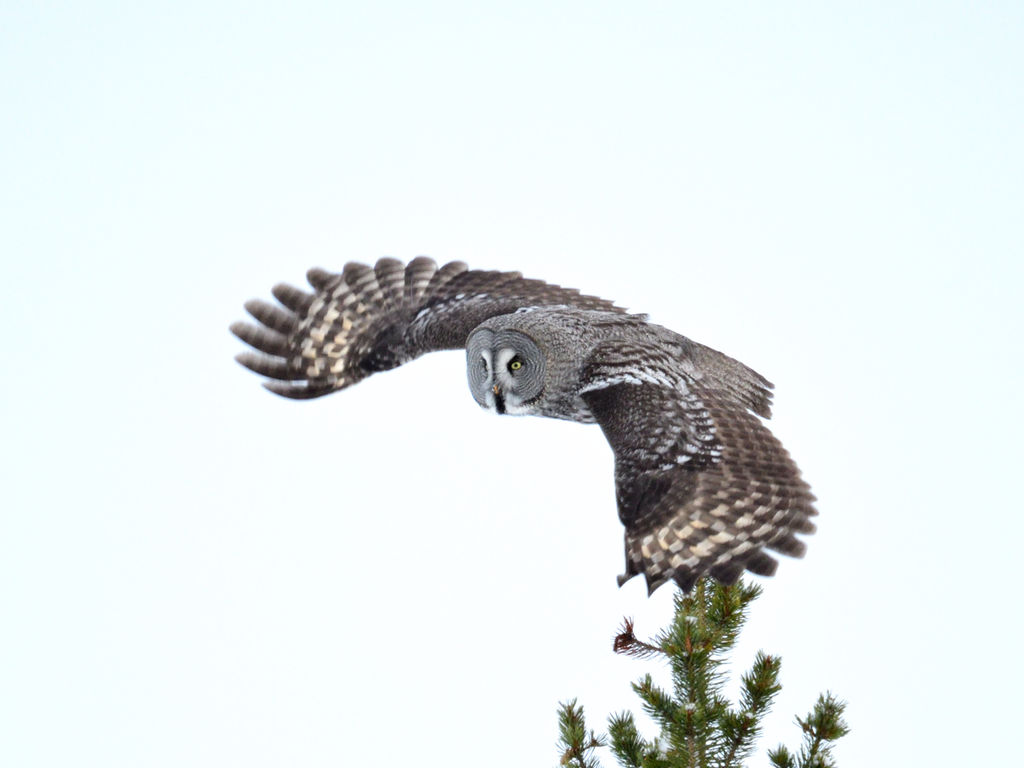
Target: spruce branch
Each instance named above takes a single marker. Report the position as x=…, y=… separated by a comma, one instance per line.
x=627, y=744
x=576, y=744
x=822, y=728
x=740, y=728
x=657, y=702
x=780, y=757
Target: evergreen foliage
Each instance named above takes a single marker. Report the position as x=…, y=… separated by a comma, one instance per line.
x=699, y=727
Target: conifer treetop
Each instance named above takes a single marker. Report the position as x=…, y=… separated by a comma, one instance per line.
x=699, y=727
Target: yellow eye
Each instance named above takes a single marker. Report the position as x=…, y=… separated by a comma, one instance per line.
x=515, y=365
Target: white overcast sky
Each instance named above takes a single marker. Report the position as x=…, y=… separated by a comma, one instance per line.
x=194, y=572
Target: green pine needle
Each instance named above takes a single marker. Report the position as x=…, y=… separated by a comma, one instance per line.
x=627, y=744
x=576, y=744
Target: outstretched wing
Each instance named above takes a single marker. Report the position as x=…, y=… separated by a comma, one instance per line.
x=368, y=319
x=702, y=485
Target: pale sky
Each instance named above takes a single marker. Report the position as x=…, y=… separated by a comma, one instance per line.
x=194, y=572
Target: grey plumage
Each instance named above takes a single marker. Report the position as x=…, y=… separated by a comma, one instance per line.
x=702, y=486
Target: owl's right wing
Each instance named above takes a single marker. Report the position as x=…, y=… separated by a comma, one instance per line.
x=368, y=319
x=702, y=485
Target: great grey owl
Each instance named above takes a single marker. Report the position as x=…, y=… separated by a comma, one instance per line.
x=702, y=485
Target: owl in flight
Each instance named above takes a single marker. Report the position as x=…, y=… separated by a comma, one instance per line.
x=702, y=486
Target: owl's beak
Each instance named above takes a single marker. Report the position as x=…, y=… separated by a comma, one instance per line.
x=499, y=401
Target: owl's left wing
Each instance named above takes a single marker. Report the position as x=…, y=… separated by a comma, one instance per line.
x=702, y=485
x=367, y=319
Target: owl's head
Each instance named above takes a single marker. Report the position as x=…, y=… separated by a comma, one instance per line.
x=506, y=370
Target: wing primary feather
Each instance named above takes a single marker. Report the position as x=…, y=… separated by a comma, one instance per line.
x=417, y=276
x=271, y=316
x=391, y=279
x=685, y=579
x=762, y=564
x=296, y=300
x=359, y=277
x=263, y=339
x=788, y=545
x=653, y=582
x=271, y=367
x=444, y=275
x=304, y=391
x=727, y=573
x=322, y=280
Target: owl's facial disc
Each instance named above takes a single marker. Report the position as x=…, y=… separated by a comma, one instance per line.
x=506, y=371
